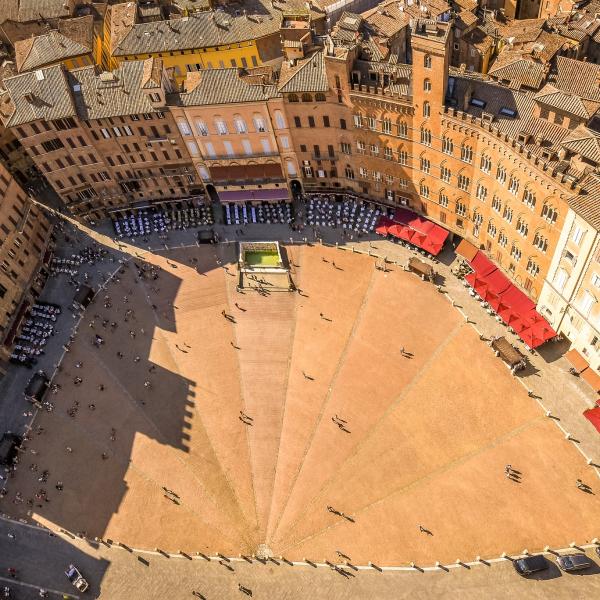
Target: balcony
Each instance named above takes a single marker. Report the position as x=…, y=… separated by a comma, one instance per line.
x=359, y=90
x=243, y=159
x=333, y=156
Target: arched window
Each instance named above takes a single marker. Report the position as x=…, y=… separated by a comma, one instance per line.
x=466, y=153
x=532, y=267
x=259, y=123
x=221, y=126
x=540, y=242
x=427, y=61
x=349, y=172
x=320, y=97
x=486, y=163
x=549, y=213
x=529, y=198
x=426, y=109
x=292, y=98
x=522, y=227
x=201, y=127
x=193, y=148
x=306, y=97
x=402, y=129
x=184, y=127
x=427, y=85
x=445, y=172
x=240, y=124
x=447, y=145
x=425, y=137
x=291, y=168
x=203, y=172
x=279, y=120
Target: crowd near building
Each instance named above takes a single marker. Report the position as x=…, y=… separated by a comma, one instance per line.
x=482, y=117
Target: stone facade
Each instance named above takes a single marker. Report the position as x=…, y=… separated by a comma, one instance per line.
x=25, y=235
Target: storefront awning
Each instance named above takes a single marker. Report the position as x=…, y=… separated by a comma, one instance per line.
x=592, y=378
x=466, y=250
x=577, y=360
x=593, y=416
x=512, y=305
x=410, y=227
x=254, y=195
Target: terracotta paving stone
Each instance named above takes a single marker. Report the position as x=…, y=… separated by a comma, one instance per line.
x=317, y=349
x=264, y=356
x=428, y=436
x=372, y=376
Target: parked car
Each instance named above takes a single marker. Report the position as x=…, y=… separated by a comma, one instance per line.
x=530, y=564
x=574, y=562
x=75, y=577
x=9, y=444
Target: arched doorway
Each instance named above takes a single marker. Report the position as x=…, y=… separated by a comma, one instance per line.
x=212, y=193
x=295, y=187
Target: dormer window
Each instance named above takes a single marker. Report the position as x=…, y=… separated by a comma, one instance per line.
x=508, y=112
x=522, y=138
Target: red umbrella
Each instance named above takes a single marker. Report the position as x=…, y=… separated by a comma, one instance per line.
x=530, y=337
x=395, y=230
x=382, y=226
x=406, y=233
x=504, y=311
x=515, y=322
x=543, y=330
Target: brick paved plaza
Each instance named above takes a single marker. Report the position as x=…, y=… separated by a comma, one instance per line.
x=427, y=434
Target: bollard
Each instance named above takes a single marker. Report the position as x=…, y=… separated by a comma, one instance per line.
x=546, y=548
x=567, y=436
x=478, y=559
x=548, y=413
x=572, y=545
x=590, y=461
x=594, y=540
x=525, y=552
x=503, y=555
x=437, y=564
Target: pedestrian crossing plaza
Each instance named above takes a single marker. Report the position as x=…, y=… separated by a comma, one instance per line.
x=358, y=413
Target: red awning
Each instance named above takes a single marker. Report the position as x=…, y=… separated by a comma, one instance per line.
x=435, y=240
x=419, y=231
x=531, y=338
x=476, y=282
x=593, y=416
x=517, y=300
x=514, y=307
x=382, y=225
x=482, y=265
x=497, y=282
x=542, y=329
